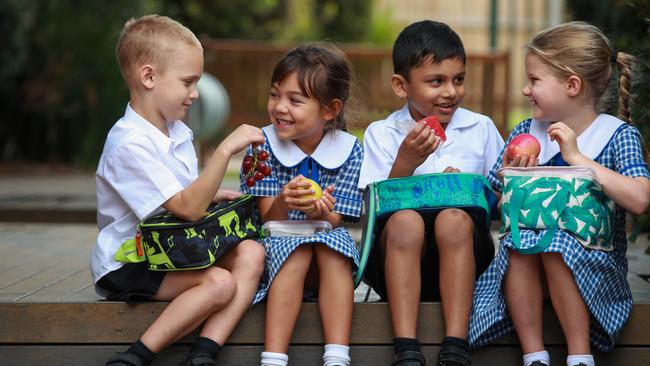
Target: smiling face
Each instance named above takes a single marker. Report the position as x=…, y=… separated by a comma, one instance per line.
x=175, y=86
x=296, y=116
x=433, y=89
x=545, y=91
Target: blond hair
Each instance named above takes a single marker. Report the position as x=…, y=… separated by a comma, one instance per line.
x=581, y=49
x=150, y=39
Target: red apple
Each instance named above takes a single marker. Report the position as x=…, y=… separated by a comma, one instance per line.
x=523, y=144
x=434, y=123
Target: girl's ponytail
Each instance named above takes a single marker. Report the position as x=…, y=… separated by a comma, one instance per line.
x=624, y=62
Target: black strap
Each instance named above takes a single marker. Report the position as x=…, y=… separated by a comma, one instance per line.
x=453, y=355
x=409, y=358
x=124, y=359
x=201, y=359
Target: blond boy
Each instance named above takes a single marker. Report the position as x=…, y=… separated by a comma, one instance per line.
x=149, y=164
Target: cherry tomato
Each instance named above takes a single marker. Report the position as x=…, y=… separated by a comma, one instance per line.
x=250, y=181
x=258, y=176
x=262, y=155
x=260, y=166
x=247, y=165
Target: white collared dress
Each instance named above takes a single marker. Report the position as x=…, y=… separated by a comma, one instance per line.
x=600, y=276
x=336, y=161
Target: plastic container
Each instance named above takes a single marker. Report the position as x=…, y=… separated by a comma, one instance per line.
x=294, y=228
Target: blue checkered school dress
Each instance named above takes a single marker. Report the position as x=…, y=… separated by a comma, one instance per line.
x=348, y=203
x=600, y=276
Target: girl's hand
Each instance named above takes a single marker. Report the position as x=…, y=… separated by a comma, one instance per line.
x=567, y=140
x=225, y=195
x=521, y=161
x=293, y=195
x=420, y=142
x=324, y=206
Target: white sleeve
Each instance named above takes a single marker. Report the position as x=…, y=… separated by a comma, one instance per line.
x=140, y=178
x=377, y=160
x=493, y=147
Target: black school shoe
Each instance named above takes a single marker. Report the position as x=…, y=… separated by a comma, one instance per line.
x=124, y=359
x=453, y=355
x=409, y=358
x=201, y=359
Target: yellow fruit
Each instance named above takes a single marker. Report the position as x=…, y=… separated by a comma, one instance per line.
x=318, y=191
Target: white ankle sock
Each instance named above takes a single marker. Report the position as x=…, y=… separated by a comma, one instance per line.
x=274, y=359
x=542, y=356
x=336, y=355
x=573, y=360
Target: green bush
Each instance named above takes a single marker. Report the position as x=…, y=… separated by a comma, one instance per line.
x=61, y=84
x=61, y=87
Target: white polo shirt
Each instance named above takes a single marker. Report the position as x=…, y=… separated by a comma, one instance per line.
x=473, y=145
x=139, y=170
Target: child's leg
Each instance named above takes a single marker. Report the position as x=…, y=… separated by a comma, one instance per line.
x=454, y=232
x=403, y=242
x=336, y=294
x=522, y=287
x=285, y=299
x=568, y=304
x=335, y=299
x=246, y=263
x=194, y=295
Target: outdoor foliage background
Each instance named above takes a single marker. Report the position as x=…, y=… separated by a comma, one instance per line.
x=61, y=90
x=627, y=24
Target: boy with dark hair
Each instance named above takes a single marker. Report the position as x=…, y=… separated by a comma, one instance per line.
x=429, y=256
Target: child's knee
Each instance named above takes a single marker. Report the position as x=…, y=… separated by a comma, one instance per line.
x=332, y=259
x=220, y=285
x=522, y=261
x=252, y=257
x=454, y=226
x=405, y=229
x=299, y=260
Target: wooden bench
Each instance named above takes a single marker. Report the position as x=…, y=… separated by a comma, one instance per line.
x=50, y=315
x=87, y=333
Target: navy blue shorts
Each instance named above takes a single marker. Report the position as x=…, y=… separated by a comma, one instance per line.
x=133, y=282
x=429, y=264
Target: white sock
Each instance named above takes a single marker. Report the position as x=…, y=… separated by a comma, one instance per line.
x=573, y=360
x=542, y=356
x=336, y=355
x=274, y=359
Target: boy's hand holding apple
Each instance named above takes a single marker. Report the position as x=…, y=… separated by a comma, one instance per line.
x=418, y=144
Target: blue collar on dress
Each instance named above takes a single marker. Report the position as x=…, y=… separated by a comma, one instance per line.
x=331, y=153
x=591, y=141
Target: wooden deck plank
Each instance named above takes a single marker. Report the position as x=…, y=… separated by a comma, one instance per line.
x=20, y=273
x=113, y=322
x=363, y=355
x=83, y=294
x=43, y=279
x=14, y=255
x=64, y=287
